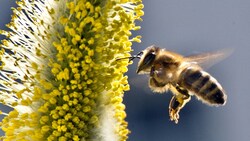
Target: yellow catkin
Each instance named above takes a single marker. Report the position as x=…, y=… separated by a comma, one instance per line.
x=62, y=75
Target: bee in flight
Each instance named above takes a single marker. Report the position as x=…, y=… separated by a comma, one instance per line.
x=183, y=76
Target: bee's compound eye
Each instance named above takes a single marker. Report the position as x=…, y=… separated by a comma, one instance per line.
x=146, y=62
x=149, y=58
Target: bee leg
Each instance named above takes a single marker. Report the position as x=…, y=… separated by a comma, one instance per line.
x=176, y=104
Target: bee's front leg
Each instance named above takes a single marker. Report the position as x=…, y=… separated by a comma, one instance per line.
x=176, y=104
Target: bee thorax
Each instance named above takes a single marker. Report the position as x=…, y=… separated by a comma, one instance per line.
x=156, y=86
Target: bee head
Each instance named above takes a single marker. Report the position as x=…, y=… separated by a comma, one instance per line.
x=147, y=59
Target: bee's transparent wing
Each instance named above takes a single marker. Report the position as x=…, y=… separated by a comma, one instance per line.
x=206, y=60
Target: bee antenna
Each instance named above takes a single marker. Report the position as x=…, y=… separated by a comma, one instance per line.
x=132, y=57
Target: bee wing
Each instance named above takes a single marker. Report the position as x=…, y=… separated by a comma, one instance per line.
x=206, y=60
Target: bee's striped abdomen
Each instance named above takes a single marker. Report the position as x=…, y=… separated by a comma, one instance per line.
x=203, y=85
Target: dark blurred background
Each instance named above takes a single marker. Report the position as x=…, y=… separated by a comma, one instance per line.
x=190, y=27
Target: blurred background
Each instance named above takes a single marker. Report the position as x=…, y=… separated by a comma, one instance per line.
x=189, y=27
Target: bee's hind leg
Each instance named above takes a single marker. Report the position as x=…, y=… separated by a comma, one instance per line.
x=177, y=102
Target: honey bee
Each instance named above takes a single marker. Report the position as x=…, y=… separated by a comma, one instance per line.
x=183, y=76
